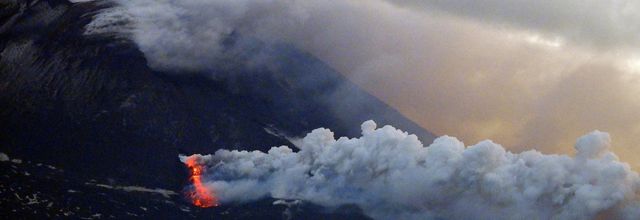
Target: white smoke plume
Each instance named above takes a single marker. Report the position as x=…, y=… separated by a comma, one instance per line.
x=391, y=175
x=188, y=35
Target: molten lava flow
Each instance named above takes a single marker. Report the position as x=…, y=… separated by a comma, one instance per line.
x=201, y=196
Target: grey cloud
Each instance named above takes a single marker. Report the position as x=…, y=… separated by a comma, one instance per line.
x=602, y=24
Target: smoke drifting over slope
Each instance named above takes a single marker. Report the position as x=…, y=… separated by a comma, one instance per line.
x=527, y=84
x=391, y=175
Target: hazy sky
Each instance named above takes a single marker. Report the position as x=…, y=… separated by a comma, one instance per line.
x=526, y=74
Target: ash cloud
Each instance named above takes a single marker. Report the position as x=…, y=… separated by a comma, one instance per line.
x=391, y=175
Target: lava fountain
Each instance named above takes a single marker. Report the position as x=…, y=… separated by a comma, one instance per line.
x=200, y=196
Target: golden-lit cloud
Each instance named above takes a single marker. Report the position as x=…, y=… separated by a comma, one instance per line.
x=475, y=80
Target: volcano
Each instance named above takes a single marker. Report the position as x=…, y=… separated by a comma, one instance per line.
x=89, y=130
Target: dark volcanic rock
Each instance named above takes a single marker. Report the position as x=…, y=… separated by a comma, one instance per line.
x=92, y=106
x=41, y=191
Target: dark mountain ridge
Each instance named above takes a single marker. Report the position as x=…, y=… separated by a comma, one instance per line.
x=92, y=106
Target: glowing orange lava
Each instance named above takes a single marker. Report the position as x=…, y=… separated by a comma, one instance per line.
x=201, y=196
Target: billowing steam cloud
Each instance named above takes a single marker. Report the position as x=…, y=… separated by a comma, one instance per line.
x=391, y=175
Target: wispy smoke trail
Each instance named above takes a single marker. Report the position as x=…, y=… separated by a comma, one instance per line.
x=391, y=175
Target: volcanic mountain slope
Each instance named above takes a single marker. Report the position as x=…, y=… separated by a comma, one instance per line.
x=91, y=105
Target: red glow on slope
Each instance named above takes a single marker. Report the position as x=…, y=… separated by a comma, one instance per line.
x=201, y=196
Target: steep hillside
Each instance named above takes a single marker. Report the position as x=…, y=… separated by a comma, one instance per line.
x=91, y=106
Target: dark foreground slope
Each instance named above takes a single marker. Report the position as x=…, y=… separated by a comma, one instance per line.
x=90, y=105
